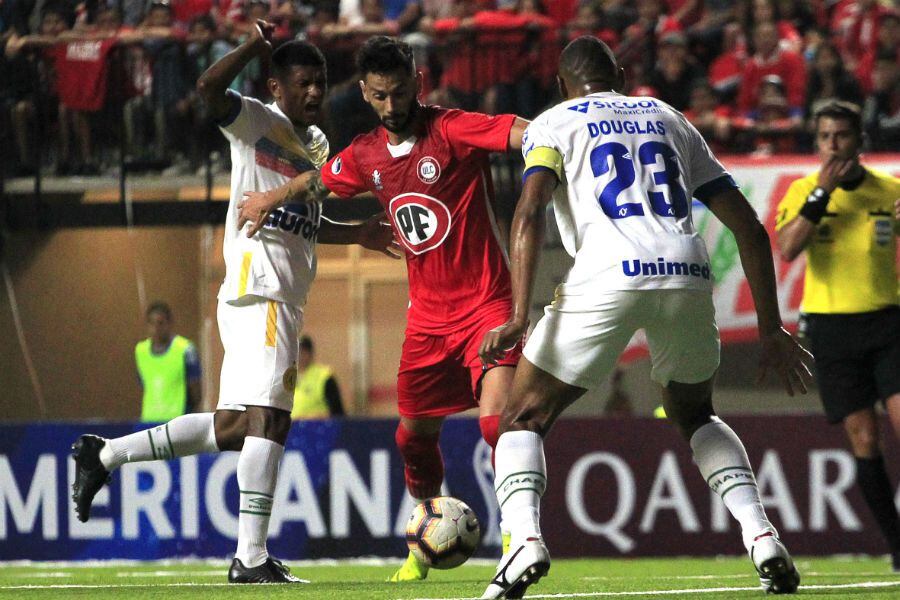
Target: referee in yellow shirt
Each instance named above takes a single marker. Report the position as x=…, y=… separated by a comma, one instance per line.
x=845, y=217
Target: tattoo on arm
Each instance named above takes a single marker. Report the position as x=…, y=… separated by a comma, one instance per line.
x=313, y=190
x=316, y=189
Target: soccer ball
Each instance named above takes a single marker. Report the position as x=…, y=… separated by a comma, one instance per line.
x=443, y=532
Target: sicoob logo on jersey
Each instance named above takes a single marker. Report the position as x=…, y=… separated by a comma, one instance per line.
x=422, y=221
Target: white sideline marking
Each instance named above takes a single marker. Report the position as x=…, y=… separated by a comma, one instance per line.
x=216, y=573
x=365, y=561
x=841, y=586
x=735, y=576
x=105, y=586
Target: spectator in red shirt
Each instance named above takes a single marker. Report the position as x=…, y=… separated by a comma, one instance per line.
x=774, y=125
x=459, y=84
x=82, y=68
x=862, y=30
x=727, y=70
x=770, y=59
x=487, y=46
x=526, y=92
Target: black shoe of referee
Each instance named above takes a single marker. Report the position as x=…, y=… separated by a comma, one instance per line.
x=271, y=571
x=89, y=473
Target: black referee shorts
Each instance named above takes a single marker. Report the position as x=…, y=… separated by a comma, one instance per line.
x=857, y=359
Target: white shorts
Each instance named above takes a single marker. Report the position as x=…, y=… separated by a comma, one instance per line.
x=580, y=347
x=261, y=340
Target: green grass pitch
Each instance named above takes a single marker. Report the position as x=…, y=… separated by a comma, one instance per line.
x=707, y=579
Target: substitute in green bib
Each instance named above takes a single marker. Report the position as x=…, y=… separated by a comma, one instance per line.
x=316, y=395
x=168, y=369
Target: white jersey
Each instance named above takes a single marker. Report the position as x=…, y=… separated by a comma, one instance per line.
x=278, y=263
x=630, y=166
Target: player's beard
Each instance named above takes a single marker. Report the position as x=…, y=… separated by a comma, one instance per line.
x=402, y=128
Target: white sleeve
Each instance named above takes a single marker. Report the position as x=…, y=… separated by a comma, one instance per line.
x=539, y=134
x=247, y=120
x=702, y=166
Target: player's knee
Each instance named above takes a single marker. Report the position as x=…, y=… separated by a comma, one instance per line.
x=269, y=423
x=534, y=413
x=230, y=429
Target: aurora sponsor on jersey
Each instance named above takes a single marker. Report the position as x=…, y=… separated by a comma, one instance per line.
x=296, y=219
x=664, y=268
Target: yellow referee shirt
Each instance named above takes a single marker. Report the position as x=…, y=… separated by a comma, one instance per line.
x=851, y=262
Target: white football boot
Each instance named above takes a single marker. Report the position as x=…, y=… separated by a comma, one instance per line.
x=522, y=566
x=777, y=574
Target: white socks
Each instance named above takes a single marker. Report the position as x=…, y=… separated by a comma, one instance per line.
x=520, y=481
x=723, y=462
x=182, y=436
x=257, y=474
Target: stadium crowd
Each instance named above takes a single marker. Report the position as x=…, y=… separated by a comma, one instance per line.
x=83, y=77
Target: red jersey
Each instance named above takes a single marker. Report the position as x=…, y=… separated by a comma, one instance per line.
x=437, y=190
x=784, y=63
x=81, y=73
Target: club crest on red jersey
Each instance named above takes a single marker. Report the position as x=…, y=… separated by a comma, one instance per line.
x=423, y=222
x=428, y=170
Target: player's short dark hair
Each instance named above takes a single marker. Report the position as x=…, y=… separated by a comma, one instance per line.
x=842, y=111
x=295, y=53
x=381, y=54
x=587, y=59
x=306, y=343
x=159, y=307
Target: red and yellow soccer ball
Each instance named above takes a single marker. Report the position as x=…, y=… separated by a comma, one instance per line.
x=443, y=532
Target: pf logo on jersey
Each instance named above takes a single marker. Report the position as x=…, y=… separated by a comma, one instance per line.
x=428, y=170
x=423, y=222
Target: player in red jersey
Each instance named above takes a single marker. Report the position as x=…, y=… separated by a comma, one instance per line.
x=428, y=166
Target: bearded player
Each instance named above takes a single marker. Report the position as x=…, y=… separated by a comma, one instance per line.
x=428, y=166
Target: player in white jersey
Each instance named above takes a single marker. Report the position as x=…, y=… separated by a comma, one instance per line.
x=260, y=312
x=621, y=172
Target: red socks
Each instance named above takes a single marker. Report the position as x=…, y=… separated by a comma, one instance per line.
x=422, y=457
x=424, y=464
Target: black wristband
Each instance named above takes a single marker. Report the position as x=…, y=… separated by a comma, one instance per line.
x=816, y=205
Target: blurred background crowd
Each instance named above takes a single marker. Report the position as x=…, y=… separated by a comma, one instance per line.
x=84, y=80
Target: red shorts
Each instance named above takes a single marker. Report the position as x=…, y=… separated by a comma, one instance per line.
x=441, y=374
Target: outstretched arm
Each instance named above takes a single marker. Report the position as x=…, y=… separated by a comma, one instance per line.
x=526, y=239
x=780, y=352
x=374, y=233
x=517, y=132
x=256, y=206
x=214, y=82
